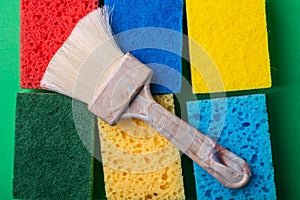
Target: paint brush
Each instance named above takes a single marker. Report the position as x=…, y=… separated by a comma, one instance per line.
x=91, y=67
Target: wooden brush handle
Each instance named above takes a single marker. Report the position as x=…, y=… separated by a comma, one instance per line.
x=229, y=169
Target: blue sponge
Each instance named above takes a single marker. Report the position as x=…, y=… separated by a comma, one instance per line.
x=245, y=132
x=151, y=31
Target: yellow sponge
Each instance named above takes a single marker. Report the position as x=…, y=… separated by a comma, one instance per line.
x=229, y=46
x=138, y=162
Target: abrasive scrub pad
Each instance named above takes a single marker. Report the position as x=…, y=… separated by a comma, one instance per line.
x=151, y=31
x=234, y=35
x=53, y=155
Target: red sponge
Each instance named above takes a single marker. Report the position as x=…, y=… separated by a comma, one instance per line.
x=45, y=25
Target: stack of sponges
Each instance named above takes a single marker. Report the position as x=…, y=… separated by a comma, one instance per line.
x=151, y=31
x=53, y=148
x=138, y=162
x=45, y=25
x=228, y=45
x=241, y=125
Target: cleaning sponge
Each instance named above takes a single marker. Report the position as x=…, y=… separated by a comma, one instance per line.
x=138, y=162
x=234, y=35
x=159, y=19
x=244, y=132
x=45, y=25
x=53, y=155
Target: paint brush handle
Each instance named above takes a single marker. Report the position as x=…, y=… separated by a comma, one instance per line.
x=229, y=169
x=127, y=95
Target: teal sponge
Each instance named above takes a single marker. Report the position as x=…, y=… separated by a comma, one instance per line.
x=244, y=131
x=54, y=138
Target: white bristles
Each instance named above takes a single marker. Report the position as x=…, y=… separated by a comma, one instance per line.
x=65, y=73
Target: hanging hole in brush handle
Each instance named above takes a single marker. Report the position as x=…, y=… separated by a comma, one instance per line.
x=229, y=169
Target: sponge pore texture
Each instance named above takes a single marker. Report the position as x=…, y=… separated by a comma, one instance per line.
x=138, y=162
x=242, y=126
x=45, y=25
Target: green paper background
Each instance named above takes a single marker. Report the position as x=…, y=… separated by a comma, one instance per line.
x=283, y=98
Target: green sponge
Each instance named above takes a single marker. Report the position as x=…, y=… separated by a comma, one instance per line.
x=54, y=138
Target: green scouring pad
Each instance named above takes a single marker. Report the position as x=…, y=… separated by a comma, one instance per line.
x=54, y=137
